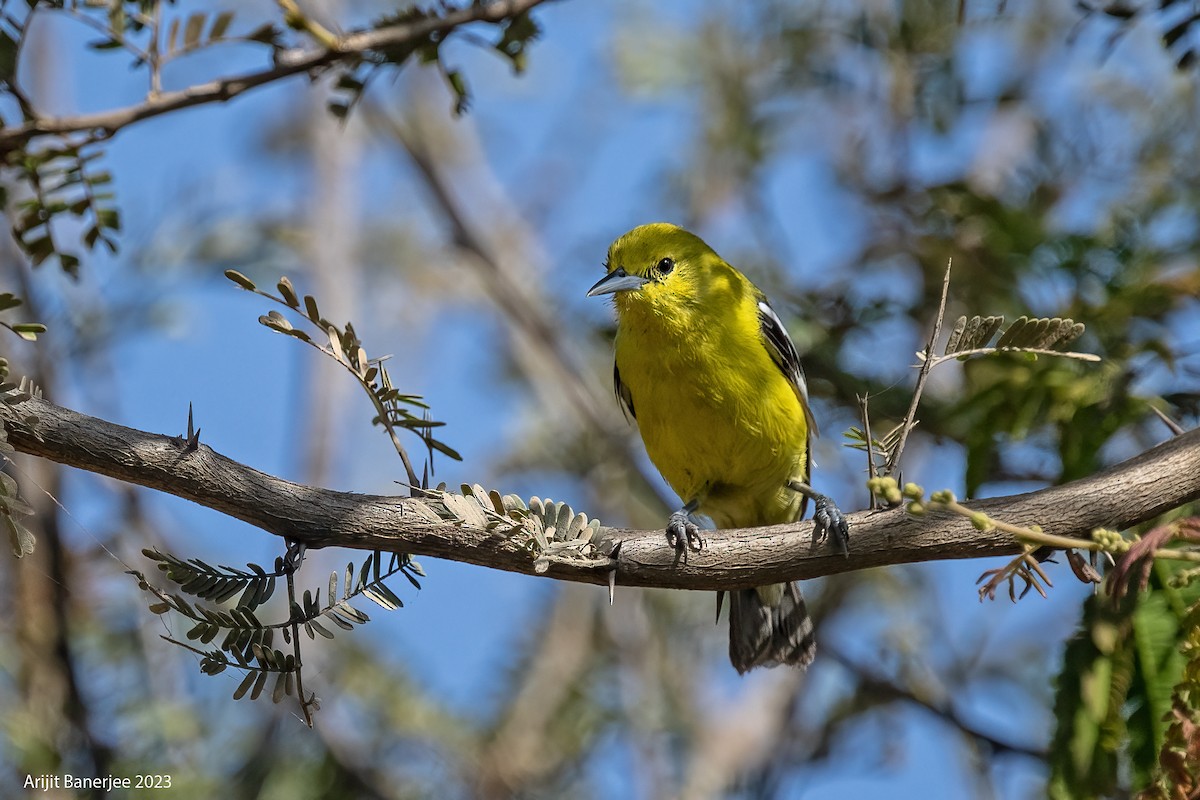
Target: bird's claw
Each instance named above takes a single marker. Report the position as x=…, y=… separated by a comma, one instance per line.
x=683, y=532
x=830, y=523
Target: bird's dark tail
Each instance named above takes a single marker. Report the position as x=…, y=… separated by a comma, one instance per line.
x=769, y=626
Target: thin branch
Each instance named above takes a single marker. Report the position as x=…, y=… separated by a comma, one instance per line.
x=297, y=18
x=106, y=30
x=1173, y=426
x=1129, y=493
x=1033, y=538
x=863, y=403
x=926, y=365
x=295, y=557
x=348, y=48
x=153, y=55
x=929, y=363
x=360, y=370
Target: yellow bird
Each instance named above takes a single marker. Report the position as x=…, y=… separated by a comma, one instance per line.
x=708, y=371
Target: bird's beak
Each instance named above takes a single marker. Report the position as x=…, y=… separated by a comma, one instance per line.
x=617, y=281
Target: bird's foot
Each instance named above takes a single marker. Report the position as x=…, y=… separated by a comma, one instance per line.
x=683, y=531
x=829, y=523
x=828, y=520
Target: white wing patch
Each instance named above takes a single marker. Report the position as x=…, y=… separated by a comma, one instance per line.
x=783, y=353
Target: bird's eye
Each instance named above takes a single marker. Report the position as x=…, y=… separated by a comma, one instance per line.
x=665, y=266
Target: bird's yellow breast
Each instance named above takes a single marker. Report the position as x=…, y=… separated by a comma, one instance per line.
x=718, y=418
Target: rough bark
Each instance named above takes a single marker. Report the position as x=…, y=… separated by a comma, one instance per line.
x=1123, y=495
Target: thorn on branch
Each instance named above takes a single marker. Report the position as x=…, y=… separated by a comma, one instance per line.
x=191, y=442
x=612, y=573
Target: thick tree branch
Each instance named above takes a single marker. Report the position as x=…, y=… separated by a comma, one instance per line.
x=349, y=48
x=1129, y=493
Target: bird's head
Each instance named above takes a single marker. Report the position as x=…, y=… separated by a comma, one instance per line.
x=656, y=266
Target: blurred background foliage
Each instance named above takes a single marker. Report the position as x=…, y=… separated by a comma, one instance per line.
x=840, y=153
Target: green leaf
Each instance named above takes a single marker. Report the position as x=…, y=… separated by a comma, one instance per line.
x=105, y=44
x=384, y=597
x=108, y=218
x=245, y=685
x=20, y=538
x=341, y=623
x=1159, y=667
x=191, y=34
x=69, y=264
x=173, y=35
x=288, y=292
x=220, y=25
x=462, y=95
x=1115, y=688
x=1081, y=763
x=1014, y=332
x=39, y=249
x=9, y=52
x=266, y=34
x=347, y=82
x=273, y=319
x=29, y=330
x=240, y=279
x=445, y=449
x=314, y=625
x=259, y=683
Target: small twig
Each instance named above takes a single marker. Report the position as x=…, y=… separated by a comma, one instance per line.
x=153, y=59
x=1033, y=538
x=1173, y=426
x=910, y=417
x=348, y=48
x=297, y=18
x=359, y=374
x=930, y=363
x=196, y=650
x=292, y=562
x=1028, y=536
x=107, y=30
x=866, y=421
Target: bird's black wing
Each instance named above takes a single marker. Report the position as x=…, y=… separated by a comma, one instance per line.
x=784, y=354
x=623, y=393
